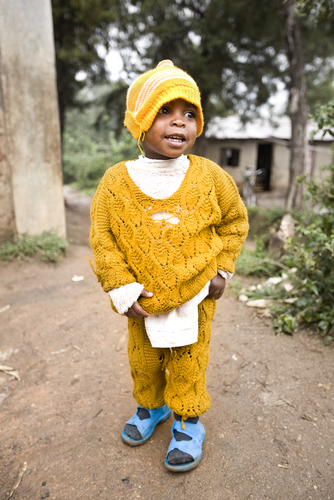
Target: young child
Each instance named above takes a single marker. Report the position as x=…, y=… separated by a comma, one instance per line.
x=166, y=230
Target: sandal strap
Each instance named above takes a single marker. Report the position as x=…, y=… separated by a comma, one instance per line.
x=147, y=425
x=193, y=447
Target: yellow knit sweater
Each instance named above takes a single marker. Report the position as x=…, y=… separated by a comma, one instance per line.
x=174, y=261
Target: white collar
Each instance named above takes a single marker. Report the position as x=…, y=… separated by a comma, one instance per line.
x=149, y=164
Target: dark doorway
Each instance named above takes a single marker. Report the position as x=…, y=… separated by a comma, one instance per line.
x=264, y=160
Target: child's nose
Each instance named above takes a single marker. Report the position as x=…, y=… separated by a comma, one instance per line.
x=177, y=119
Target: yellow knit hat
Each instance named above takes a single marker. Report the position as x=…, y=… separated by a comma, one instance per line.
x=151, y=90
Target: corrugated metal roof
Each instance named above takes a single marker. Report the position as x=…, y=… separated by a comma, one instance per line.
x=278, y=128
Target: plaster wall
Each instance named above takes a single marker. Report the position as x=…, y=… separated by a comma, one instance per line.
x=280, y=167
x=7, y=217
x=322, y=155
x=31, y=140
x=248, y=156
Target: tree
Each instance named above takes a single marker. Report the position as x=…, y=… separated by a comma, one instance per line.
x=318, y=17
x=321, y=8
x=234, y=49
x=315, y=12
x=80, y=27
x=297, y=103
x=229, y=47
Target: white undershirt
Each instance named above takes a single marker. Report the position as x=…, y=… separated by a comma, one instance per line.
x=160, y=179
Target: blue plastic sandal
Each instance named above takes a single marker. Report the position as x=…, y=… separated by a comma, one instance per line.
x=193, y=447
x=146, y=426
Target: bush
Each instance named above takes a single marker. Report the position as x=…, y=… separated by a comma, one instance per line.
x=256, y=262
x=47, y=246
x=88, y=152
x=85, y=163
x=308, y=300
x=312, y=254
x=261, y=219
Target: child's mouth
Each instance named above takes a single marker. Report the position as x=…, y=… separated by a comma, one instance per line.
x=176, y=138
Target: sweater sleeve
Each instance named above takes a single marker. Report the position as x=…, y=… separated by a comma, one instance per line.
x=233, y=227
x=225, y=274
x=109, y=264
x=125, y=296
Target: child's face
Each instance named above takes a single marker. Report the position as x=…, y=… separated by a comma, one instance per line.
x=173, y=131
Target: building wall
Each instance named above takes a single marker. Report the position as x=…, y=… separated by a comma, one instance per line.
x=7, y=218
x=280, y=167
x=248, y=155
x=31, y=199
x=322, y=155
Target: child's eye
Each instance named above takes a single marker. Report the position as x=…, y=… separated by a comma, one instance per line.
x=164, y=110
x=190, y=114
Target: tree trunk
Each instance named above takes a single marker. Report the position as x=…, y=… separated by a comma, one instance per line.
x=62, y=116
x=63, y=93
x=297, y=104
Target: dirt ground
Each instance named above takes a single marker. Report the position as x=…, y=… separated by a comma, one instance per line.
x=269, y=432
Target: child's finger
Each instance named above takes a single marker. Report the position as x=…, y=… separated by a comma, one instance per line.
x=212, y=294
x=215, y=293
x=136, y=311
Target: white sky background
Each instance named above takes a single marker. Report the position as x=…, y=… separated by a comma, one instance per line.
x=114, y=64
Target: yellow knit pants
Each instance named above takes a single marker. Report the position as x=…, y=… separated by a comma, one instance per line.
x=177, y=377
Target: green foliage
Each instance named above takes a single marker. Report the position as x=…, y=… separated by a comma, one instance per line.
x=81, y=28
x=261, y=220
x=235, y=50
x=256, y=262
x=305, y=295
x=320, y=9
x=324, y=117
x=47, y=246
x=285, y=323
x=88, y=152
x=308, y=267
x=85, y=167
x=317, y=18
x=312, y=254
x=230, y=48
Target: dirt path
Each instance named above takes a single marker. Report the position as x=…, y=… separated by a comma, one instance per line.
x=270, y=429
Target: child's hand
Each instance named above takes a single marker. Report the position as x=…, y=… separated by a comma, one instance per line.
x=136, y=311
x=217, y=287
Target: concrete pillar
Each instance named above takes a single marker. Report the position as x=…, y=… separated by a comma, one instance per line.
x=31, y=199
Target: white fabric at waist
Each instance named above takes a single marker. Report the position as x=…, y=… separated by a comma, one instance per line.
x=178, y=327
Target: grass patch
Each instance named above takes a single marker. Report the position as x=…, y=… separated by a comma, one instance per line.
x=262, y=219
x=257, y=262
x=47, y=246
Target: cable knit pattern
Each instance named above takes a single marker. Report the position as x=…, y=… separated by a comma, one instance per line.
x=174, y=261
x=175, y=377
x=158, y=179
